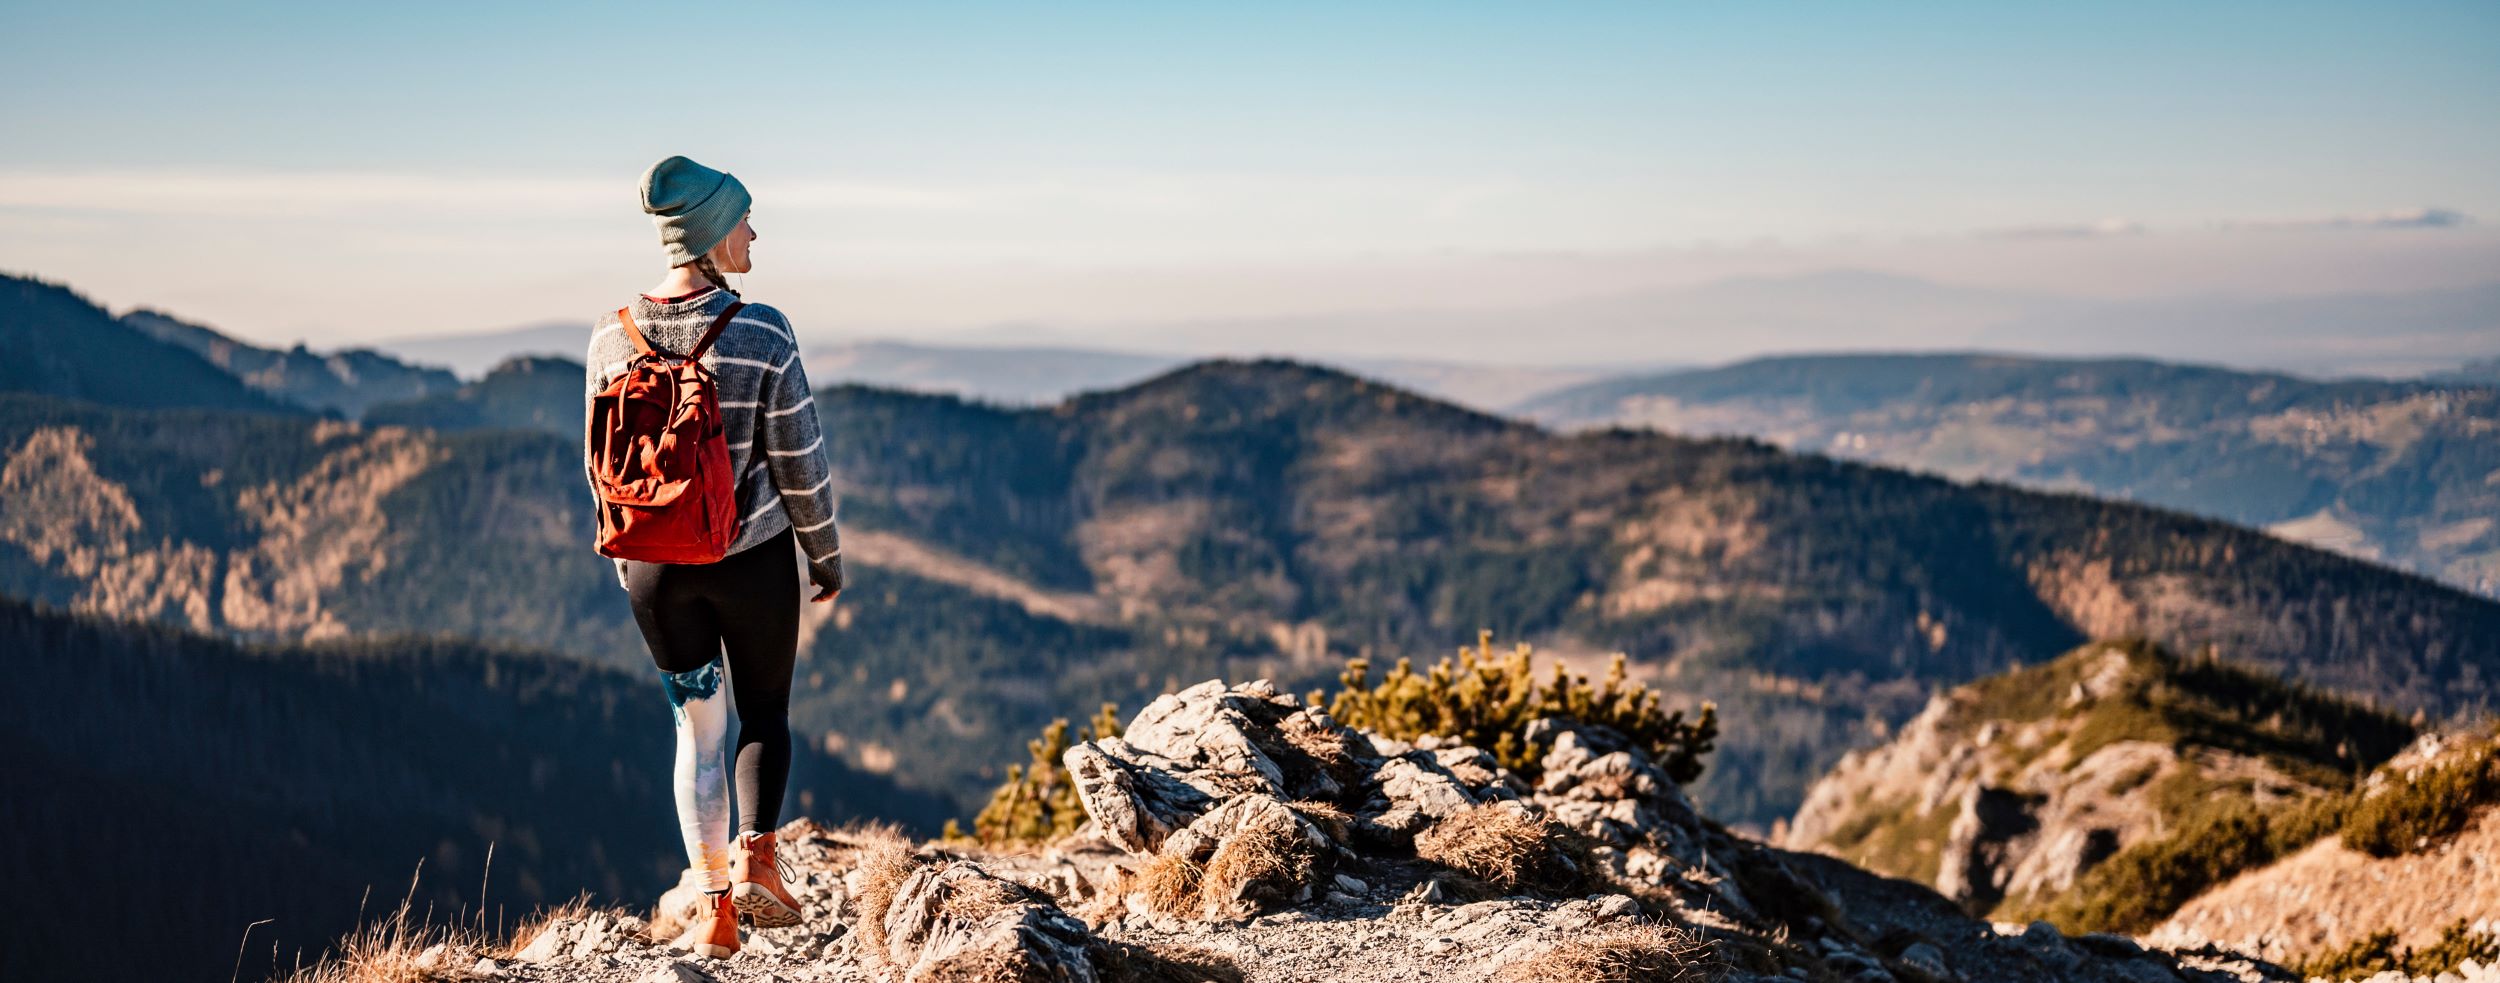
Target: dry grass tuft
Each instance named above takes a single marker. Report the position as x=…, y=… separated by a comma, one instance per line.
x=546, y=918
x=973, y=900
x=1324, y=749
x=1500, y=846
x=1624, y=952
x=399, y=949
x=1166, y=962
x=1331, y=820
x=1262, y=854
x=885, y=860
x=1171, y=883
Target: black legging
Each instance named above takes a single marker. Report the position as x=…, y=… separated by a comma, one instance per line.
x=747, y=603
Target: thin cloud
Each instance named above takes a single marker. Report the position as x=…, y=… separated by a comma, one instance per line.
x=2102, y=229
x=2411, y=218
x=316, y=194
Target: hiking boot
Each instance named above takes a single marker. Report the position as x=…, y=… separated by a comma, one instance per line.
x=716, y=936
x=755, y=882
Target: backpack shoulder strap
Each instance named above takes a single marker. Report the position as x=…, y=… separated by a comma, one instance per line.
x=714, y=331
x=625, y=318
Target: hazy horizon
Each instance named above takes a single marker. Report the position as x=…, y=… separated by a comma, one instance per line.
x=1105, y=175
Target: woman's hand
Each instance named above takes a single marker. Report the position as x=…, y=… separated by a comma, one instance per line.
x=828, y=585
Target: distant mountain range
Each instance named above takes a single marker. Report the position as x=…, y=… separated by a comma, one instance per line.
x=527, y=392
x=2406, y=472
x=2394, y=471
x=1243, y=519
x=2380, y=334
x=346, y=382
x=1238, y=518
x=1019, y=375
x=2482, y=371
x=471, y=355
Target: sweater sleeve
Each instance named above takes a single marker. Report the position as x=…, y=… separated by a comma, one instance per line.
x=794, y=449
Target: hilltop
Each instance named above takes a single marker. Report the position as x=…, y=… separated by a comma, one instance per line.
x=145, y=358
x=2004, y=792
x=67, y=346
x=527, y=392
x=2382, y=895
x=347, y=382
x=2189, y=803
x=2396, y=471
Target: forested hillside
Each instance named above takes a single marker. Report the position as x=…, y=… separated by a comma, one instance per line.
x=2399, y=471
x=345, y=382
x=525, y=393
x=62, y=345
x=192, y=787
x=1245, y=518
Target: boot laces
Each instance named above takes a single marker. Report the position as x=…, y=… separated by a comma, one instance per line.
x=780, y=869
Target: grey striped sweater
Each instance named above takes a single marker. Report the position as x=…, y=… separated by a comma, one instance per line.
x=775, y=442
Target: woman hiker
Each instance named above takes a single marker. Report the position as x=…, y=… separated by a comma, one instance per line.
x=727, y=632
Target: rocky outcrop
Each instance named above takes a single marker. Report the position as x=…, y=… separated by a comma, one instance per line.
x=1214, y=772
x=2329, y=894
x=2011, y=788
x=1238, y=834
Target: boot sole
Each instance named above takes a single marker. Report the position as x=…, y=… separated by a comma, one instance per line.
x=761, y=907
x=710, y=951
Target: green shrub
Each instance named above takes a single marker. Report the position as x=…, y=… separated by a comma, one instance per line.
x=2377, y=952
x=1038, y=802
x=1487, y=701
x=2139, y=886
x=2144, y=883
x=2409, y=815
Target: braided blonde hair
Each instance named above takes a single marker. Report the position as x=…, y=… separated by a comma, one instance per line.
x=703, y=264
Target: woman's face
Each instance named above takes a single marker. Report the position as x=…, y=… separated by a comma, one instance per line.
x=731, y=255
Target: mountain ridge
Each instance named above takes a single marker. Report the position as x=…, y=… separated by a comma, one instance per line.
x=2398, y=471
x=1269, y=516
x=347, y=381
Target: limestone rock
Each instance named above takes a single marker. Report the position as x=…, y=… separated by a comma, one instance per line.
x=1201, y=863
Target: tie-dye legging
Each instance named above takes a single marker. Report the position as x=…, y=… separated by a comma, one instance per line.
x=729, y=626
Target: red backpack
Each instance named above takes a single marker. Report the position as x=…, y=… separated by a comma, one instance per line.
x=659, y=458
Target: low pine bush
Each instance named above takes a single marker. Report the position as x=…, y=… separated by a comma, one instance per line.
x=2378, y=952
x=1487, y=701
x=1038, y=802
x=2410, y=815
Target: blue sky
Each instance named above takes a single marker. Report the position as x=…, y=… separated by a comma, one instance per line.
x=265, y=165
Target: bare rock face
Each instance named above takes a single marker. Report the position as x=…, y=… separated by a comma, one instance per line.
x=957, y=921
x=1992, y=823
x=2014, y=787
x=1239, y=806
x=1239, y=835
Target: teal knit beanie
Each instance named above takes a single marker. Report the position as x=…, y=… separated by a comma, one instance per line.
x=695, y=207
